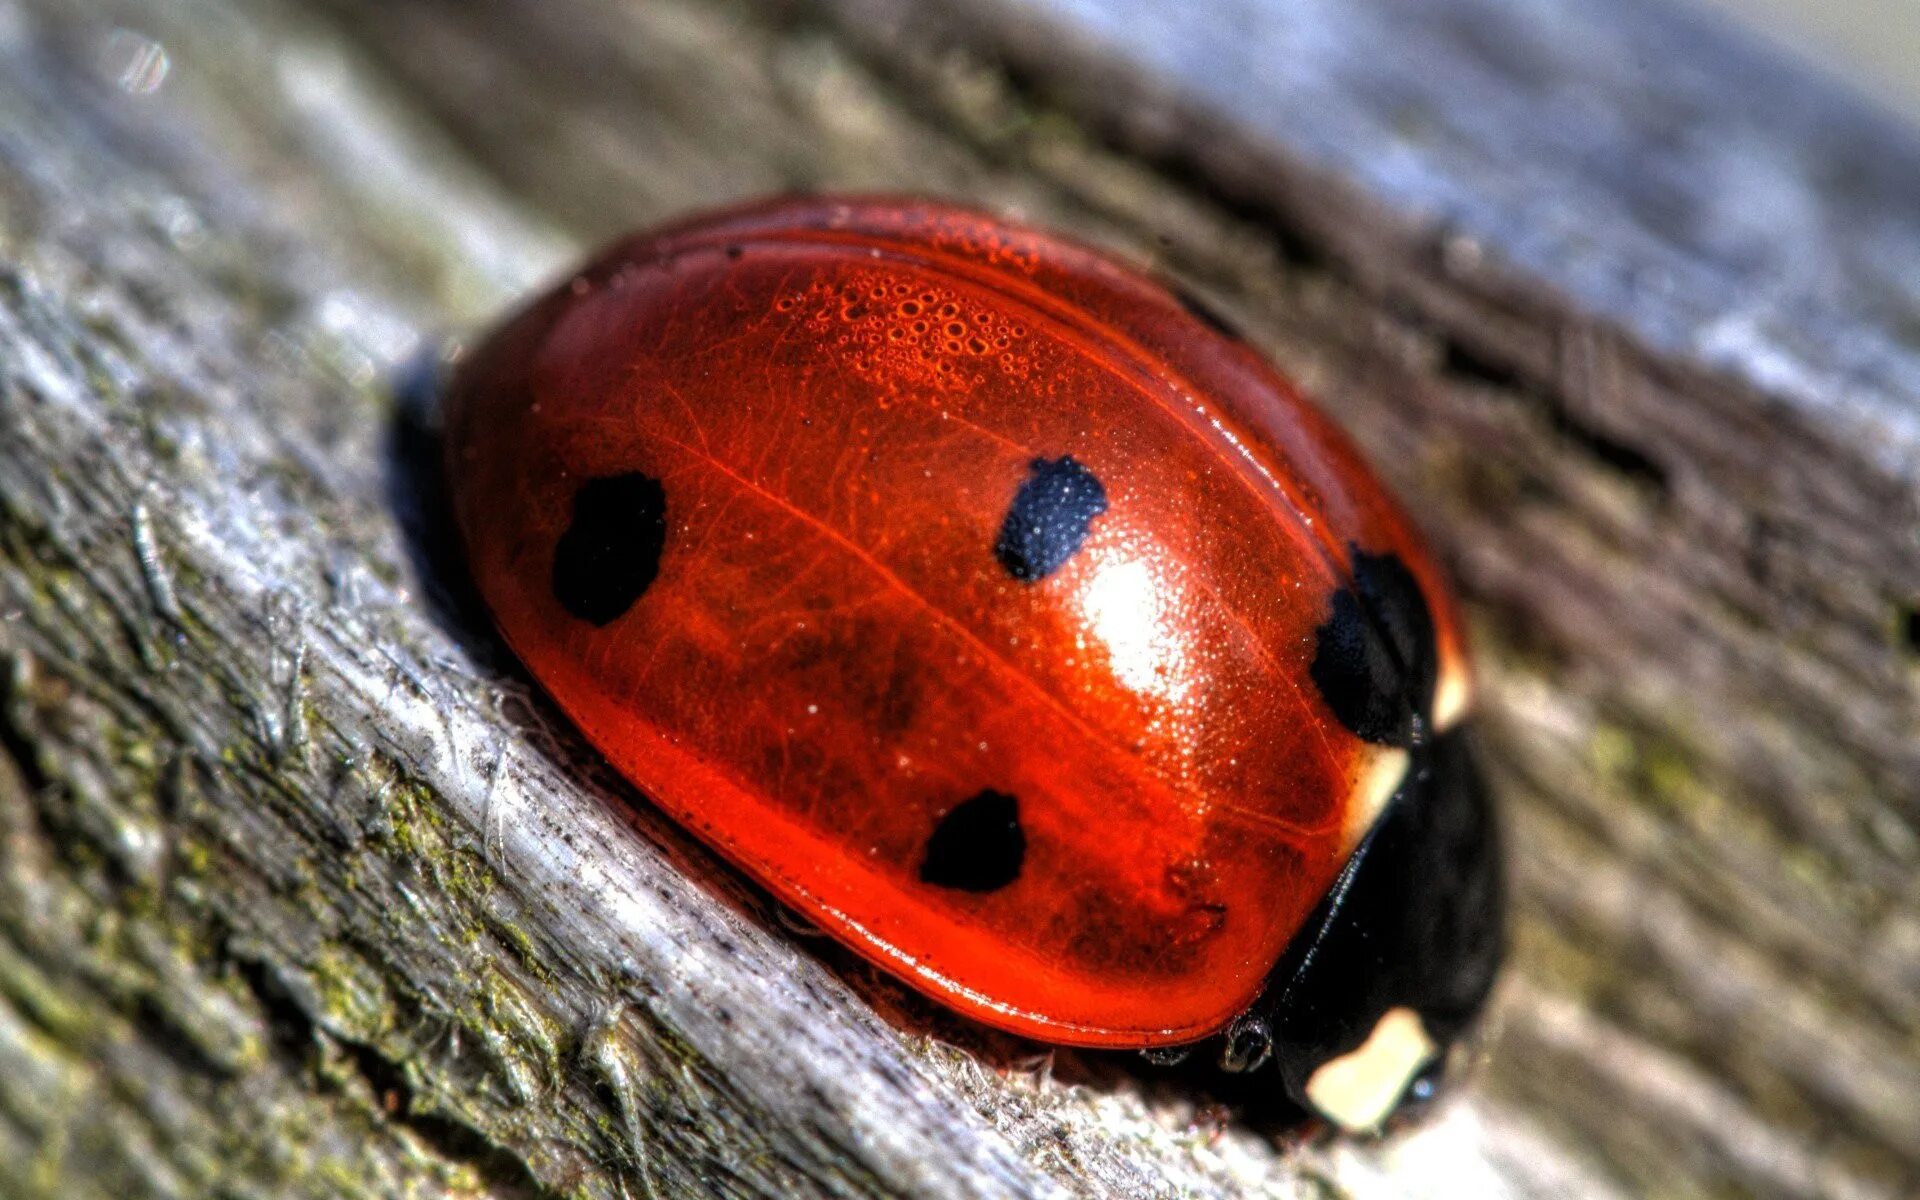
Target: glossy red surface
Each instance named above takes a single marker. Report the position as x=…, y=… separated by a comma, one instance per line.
x=838, y=400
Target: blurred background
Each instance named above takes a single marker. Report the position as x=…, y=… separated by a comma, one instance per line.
x=1873, y=45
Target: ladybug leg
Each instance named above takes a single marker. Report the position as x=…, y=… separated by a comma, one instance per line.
x=1391, y=969
x=1248, y=1044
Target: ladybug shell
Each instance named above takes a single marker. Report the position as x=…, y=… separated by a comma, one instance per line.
x=988, y=604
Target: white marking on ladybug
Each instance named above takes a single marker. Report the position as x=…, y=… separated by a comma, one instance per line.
x=1357, y=1090
x=1380, y=778
x=1451, y=698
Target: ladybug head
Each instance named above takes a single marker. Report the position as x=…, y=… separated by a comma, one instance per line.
x=1367, y=1012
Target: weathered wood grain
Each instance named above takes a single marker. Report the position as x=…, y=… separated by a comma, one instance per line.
x=302, y=893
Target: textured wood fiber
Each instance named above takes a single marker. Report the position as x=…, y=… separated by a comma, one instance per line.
x=302, y=893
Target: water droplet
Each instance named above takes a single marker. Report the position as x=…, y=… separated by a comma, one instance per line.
x=137, y=64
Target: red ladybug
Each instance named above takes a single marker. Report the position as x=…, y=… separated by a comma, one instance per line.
x=1006, y=616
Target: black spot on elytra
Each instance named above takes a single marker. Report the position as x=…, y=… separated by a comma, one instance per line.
x=1048, y=521
x=610, y=553
x=978, y=846
x=1375, y=661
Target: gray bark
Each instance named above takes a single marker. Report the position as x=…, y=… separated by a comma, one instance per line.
x=302, y=893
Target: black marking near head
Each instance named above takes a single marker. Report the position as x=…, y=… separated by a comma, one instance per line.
x=1375, y=661
x=978, y=846
x=1417, y=920
x=1048, y=521
x=610, y=553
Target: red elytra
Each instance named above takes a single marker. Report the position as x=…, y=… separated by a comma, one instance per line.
x=960, y=585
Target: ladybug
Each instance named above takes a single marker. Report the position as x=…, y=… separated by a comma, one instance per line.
x=1007, y=617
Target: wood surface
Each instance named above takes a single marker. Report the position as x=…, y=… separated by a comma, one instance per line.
x=305, y=892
